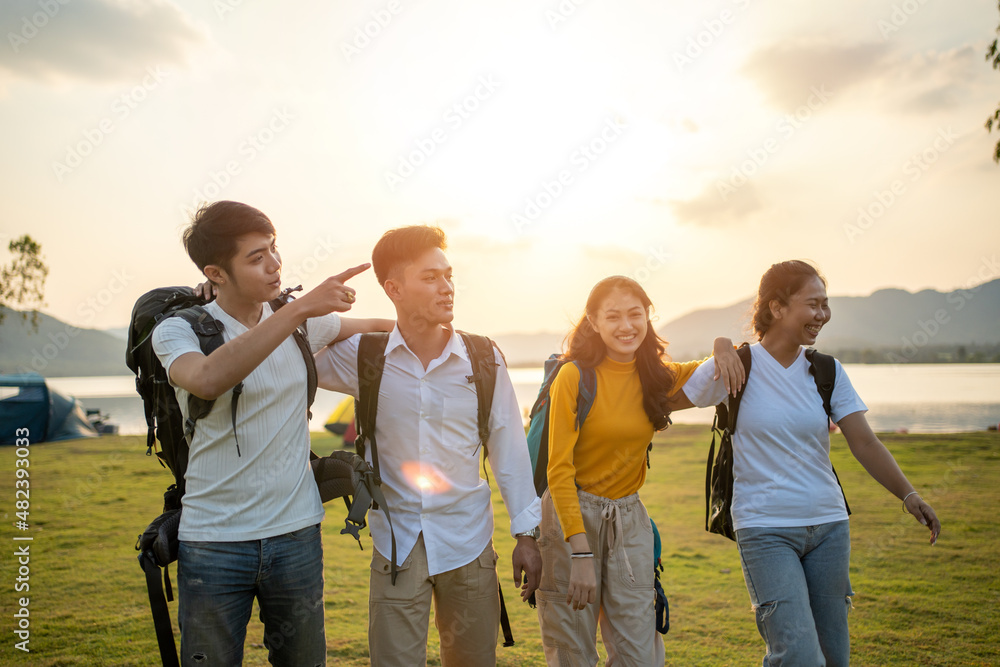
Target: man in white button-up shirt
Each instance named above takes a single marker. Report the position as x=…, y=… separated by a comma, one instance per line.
x=429, y=453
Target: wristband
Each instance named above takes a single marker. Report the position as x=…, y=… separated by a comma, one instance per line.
x=907, y=496
x=582, y=554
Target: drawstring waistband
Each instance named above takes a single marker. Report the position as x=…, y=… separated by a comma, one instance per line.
x=612, y=514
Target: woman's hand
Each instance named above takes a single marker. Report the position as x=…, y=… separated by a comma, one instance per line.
x=582, y=583
x=582, y=578
x=923, y=513
x=728, y=365
x=878, y=461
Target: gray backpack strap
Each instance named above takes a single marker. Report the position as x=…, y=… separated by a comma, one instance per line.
x=371, y=364
x=301, y=337
x=484, y=375
x=209, y=331
x=823, y=368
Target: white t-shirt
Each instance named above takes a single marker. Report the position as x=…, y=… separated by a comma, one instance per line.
x=781, y=447
x=268, y=489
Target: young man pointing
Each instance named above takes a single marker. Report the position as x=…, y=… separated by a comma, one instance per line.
x=250, y=524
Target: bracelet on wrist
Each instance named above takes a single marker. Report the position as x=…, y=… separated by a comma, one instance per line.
x=582, y=554
x=911, y=493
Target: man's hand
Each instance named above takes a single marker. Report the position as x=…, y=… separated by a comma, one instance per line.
x=206, y=290
x=527, y=562
x=331, y=295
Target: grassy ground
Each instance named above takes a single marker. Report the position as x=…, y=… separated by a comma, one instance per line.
x=915, y=605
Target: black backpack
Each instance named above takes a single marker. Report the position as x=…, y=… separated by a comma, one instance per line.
x=371, y=364
x=719, y=469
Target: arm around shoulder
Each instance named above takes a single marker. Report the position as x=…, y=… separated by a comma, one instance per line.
x=353, y=325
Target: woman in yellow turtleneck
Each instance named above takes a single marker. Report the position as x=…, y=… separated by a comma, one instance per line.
x=596, y=539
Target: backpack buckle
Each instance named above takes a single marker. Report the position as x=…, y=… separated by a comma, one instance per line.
x=352, y=529
x=208, y=327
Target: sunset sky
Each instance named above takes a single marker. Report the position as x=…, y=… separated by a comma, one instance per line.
x=689, y=145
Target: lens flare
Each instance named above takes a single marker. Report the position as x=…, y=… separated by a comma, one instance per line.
x=425, y=477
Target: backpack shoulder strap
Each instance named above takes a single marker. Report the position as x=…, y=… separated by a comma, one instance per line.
x=823, y=368
x=484, y=374
x=729, y=421
x=210, y=338
x=301, y=338
x=208, y=329
x=371, y=363
x=718, y=469
x=586, y=393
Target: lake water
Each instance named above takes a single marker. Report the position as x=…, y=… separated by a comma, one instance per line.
x=921, y=398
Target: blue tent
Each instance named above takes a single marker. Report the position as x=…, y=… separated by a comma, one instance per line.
x=27, y=402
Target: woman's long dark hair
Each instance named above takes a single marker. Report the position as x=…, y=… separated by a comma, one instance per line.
x=588, y=349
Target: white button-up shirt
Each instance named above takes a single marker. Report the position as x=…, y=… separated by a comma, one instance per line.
x=429, y=451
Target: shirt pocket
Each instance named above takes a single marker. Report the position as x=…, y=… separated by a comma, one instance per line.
x=460, y=423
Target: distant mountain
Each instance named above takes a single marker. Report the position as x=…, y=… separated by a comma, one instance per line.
x=58, y=349
x=690, y=336
x=121, y=333
x=872, y=328
x=869, y=328
x=887, y=320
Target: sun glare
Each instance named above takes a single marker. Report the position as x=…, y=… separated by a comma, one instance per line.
x=425, y=477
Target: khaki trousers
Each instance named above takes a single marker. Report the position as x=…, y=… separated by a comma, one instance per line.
x=466, y=611
x=621, y=538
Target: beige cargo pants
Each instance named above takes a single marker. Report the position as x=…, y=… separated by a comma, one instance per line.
x=621, y=538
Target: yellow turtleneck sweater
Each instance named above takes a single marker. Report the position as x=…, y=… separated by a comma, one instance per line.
x=607, y=457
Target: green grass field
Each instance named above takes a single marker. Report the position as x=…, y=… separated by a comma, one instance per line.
x=914, y=604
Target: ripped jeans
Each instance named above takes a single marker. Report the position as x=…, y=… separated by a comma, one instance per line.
x=800, y=588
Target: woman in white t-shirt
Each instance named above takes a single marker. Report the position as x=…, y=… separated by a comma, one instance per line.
x=788, y=508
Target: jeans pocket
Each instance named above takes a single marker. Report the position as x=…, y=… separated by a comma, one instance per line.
x=306, y=534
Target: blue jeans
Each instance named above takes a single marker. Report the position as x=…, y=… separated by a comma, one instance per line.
x=218, y=581
x=800, y=588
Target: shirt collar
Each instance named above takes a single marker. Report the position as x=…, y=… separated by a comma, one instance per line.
x=455, y=345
